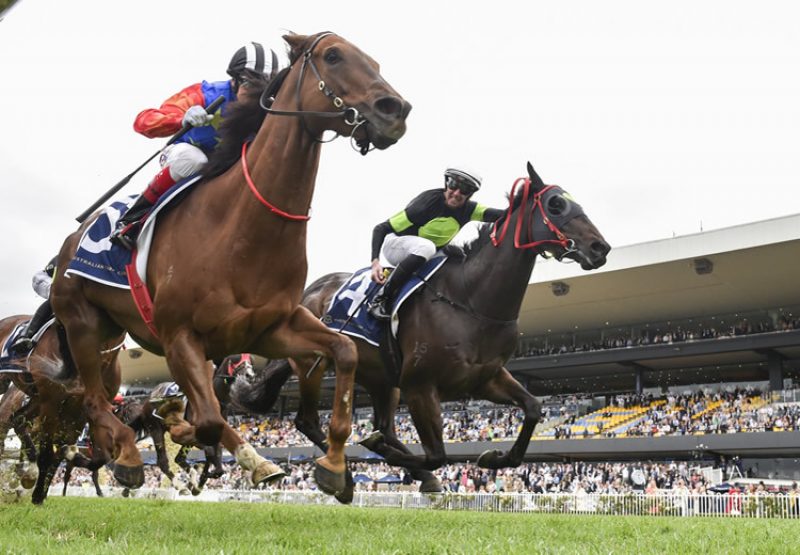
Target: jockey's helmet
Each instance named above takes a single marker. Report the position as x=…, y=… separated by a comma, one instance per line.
x=253, y=57
x=460, y=177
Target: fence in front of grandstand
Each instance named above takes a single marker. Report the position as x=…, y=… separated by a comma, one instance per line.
x=664, y=503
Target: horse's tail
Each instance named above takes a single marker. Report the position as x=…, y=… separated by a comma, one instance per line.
x=258, y=395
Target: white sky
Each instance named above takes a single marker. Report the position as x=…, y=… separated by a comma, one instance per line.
x=657, y=117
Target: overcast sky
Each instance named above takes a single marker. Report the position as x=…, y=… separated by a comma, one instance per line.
x=659, y=118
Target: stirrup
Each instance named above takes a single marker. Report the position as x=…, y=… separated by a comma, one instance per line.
x=379, y=310
x=126, y=236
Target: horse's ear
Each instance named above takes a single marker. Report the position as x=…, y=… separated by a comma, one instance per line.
x=296, y=44
x=536, y=181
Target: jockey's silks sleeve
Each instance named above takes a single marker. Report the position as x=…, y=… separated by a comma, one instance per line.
x=167, y=120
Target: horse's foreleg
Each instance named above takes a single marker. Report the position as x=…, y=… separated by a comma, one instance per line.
x=304, y=335
x=192, y=372
x=162, y=459
x=307, y=419
x=47, y=463
x=384, y=408
x=504, y=389
x=426, y=412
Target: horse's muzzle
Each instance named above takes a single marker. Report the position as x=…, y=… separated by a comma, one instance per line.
x=386, y=121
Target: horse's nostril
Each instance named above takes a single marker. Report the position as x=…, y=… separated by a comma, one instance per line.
x=601, y=247
x=390, y=106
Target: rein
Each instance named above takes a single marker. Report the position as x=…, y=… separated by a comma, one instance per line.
x=350, y=115
x=561, y=239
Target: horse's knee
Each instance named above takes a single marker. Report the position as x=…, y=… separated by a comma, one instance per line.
x=345, y=354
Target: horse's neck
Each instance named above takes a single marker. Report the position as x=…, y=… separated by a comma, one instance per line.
x=496, y=279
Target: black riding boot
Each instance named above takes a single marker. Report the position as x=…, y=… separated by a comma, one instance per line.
x=24, y=342
x=130, y=223
x=381, y=307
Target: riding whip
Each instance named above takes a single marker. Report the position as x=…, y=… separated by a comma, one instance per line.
x=86, y=213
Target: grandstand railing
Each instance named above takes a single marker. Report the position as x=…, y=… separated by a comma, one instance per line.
x=663, y=503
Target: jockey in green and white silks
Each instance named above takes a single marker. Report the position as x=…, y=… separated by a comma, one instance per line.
x=429, y=222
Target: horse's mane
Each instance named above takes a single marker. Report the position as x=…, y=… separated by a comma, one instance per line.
x=483, y=238
x=243, y=119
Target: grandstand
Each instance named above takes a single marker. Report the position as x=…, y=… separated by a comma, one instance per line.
x=711, y=311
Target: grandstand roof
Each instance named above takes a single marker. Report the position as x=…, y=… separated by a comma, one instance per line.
x=749, y=267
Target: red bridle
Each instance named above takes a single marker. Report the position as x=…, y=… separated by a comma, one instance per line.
x=561, y=240
x=274, y=209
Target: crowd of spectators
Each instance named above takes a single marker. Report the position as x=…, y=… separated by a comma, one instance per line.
x=657, y=336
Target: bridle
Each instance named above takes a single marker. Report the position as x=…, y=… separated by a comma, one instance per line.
x=349, y=114
x=567, y=244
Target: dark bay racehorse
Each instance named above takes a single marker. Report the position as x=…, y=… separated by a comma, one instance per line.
x=227, y=267
x=57, y=399
x=457, y=333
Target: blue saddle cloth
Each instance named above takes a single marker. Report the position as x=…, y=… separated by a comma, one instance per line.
x=6, y=360
x=100, y=260
x=354, y=297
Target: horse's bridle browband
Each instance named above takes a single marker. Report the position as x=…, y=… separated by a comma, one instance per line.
x=351, y=115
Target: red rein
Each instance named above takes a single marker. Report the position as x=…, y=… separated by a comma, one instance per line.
x=537, y=202
x=274, y=209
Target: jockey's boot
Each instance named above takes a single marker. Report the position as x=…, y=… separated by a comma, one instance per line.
x=130, y=224
x=24, y=343
x=381, y=306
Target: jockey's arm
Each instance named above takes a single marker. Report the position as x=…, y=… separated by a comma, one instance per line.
x=167, y=119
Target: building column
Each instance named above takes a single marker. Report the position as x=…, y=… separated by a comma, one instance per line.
x=775, y=365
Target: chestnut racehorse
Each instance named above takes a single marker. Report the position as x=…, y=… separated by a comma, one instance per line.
x=456, y=334
x=227, y=267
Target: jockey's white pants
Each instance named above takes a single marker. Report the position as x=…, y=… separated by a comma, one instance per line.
x=396, y=248
x=183, y=160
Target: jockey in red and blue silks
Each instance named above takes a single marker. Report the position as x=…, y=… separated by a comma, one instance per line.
x=187, y=108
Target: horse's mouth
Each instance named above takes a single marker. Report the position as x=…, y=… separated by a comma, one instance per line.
x=592, y=261
x=385, y=122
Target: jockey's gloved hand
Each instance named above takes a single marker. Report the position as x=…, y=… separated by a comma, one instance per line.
x=196, y=116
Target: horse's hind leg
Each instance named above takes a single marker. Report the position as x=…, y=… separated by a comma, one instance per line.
x=504, y=389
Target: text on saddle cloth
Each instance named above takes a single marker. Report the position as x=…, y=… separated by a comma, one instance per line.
x=98, y=259
x=349, y=306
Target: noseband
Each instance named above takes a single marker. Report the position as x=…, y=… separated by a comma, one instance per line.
x=349, y=114
x=562, y=240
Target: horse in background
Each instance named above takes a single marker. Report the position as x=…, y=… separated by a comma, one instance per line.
x=56, y=399
x=456, y=333
x=204, y=307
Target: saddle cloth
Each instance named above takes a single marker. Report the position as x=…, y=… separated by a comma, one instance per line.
x=348, y=310
x=98, y=259
x=6, y=360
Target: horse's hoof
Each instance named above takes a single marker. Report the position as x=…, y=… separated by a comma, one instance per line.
x=373, y=442
x=432, y=485
x=332, y=483
x=38, y=498
x=267, y=472
x=490, y=459
x=126, y=492
x=214, y=474
x=28, y=475
x=129, y=476
x=196, y=491
x=346, y=497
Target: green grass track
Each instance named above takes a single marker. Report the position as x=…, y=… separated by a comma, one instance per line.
x=87, y=525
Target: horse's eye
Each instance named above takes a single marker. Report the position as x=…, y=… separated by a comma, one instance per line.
x=332, y=56
x=557, y=205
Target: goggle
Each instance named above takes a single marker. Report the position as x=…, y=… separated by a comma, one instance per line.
x=466, y=188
